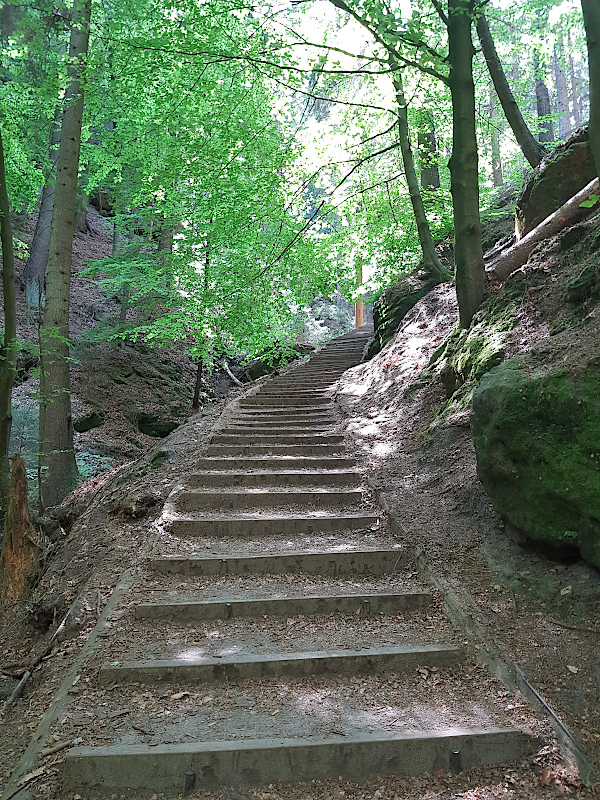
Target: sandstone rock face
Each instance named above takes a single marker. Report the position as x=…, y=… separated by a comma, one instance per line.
x=554, y=181
x=536, y=428
x=394, y=304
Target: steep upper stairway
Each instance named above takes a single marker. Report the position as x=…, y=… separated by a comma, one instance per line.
x=278, y=634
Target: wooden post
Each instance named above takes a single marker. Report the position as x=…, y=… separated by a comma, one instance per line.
x=358, y=312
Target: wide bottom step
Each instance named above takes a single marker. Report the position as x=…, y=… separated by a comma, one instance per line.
x=183, y=768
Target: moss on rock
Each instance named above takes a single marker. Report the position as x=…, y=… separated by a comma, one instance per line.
x=537, y=439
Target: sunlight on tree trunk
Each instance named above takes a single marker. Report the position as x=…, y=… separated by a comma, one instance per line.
x=495, y=142
x=464, y=175
x=9, y=346
x=58, y=470
x=573, y=77
x=531, y=149
x=431, y=262
x=562, y=95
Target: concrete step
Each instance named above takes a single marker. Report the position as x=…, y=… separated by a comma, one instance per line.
x=348, y=478
x=281, y=400
x=333, y=563
x=192, y=669
x=273, y=463
x=268, y=417
x=303, y=438
x=249, y=499
x=259, y=429
x=181, y=612
x=253, y=525
x=250, y=449
x=284, y=410
x=195, y=766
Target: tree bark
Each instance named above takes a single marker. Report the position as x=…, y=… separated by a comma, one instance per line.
x=9, y=346
x=33, y=277
x=431, y=262
x=464, y=177
x=567, y=215
x=575, y=96
x=542, y=101
x=531, y=149
x=562, y=95
x=495, y=142
x=58, y=469
x=198, y=386
x=591, y=20
x=20, y=542
x=430, y=173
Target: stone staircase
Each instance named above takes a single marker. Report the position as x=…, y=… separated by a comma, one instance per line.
x=278, y=634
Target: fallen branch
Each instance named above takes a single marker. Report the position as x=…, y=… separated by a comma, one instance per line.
x=230, y=373
x=567, y=215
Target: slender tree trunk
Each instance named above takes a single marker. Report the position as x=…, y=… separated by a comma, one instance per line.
x=573, y=77
x=562, y=95
x=591, y=20
x=430, y=173
x=20, y=549
x=198, y=386
x=33, y=277
x=464, y=176
x=431, y=262
x=542, y=101
x=495, y=142
x=9, y=346
x=531, y=149
x=58, y=470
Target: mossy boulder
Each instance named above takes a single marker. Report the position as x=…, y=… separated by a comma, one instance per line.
x=536, y=428
x=560, y=175
x=89, y=421
x=394, y=304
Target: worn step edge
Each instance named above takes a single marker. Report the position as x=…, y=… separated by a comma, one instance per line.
x=220, y=480
x=266, y=665
x=269, y=524
x=365, y=604
x=323, y=562
x=183, y=768
x=249, y=498
x=276, y=462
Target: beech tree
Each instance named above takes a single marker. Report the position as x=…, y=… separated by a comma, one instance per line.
x=57, y=467
x=591, y=18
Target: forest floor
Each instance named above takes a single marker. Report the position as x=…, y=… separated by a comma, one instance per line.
x=541, y=612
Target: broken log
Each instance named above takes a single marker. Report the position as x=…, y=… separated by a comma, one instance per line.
x=21, y=545
x=566, y=216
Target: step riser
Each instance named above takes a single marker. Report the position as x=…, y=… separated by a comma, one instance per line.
x=275, y=419
x=256, y=480
x=284, y=607
x=333, y=564
x=317, y=450
x=260, y=430
x=298, y=665
x=193, y=767
x=216, y=501
x=275, y=464
x=245, y=440
x=267, y=527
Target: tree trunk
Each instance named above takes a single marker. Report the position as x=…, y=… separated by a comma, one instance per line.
x=430, y=173
x=542, y=100
x=464, y=176
x=591, y=20
x=562, y=95
x=575, y=96
x=531, y=149
x=58, y=469
x=20, y=547
x=9, y=346
x=566, y=216
x=33, y=277
x=197, y=387
x=495, y=142
x=431, y=262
